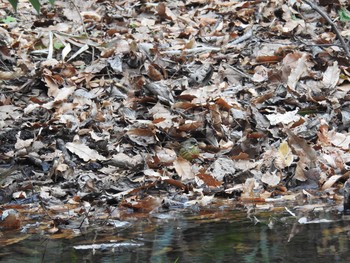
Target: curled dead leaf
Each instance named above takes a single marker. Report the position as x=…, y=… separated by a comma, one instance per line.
x=183, y=169
x=209, y=180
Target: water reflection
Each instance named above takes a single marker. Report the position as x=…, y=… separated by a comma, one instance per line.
x=199, y=238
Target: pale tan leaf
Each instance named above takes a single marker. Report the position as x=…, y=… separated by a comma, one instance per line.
x=20, y=144
x=331, y=76
x=331, y=181
x=10, y=112
x=205, y=200
x=341, y=140
x=261, y=74
x=67, y=49
x=299, y=172
x=285, y=118
x=272, y=179
x=124, y=161
x=64, y=93
x=165, y=155
x=84, y=152
x=183, y=169
x=284, y=156
x=248, y=188
x=81, y=50
x=7, y=75
x=91, y=15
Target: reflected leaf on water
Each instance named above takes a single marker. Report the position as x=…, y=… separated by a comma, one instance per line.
x=164, y=216
x=53, y=230
x=6, y=240
x=64, y=233
x=10, y=219
x=104, y=246
x=210, y=235
x=118, y=223
x=304, y=220
x=145, y=205
x=290, y=212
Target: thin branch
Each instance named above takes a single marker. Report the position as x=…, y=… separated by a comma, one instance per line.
x=80, y=17
x=325, y=16
x=241, y=39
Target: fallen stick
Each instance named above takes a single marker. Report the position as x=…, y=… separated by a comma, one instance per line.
x=325, y=16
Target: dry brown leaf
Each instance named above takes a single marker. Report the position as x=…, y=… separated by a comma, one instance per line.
x=164, y=12
x=268, y=59
x=153, y=73
x=240, y=156
x=209, y=180
x=301, y=148
x=90, y=16
x=144, y=205
x=190, y=126
x=223, y=103
x=10, y=219
x=141, y=136
x=215, y=117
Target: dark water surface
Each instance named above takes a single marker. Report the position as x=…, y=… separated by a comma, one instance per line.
x=202, y=237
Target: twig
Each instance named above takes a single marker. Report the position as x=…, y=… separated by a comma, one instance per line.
x=240, y=72
x=191, y=50
x=80, y=17
x=241, y=39
x=325, y=16
x=86, y=215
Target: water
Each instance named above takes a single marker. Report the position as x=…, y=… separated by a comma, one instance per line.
x=206, y=236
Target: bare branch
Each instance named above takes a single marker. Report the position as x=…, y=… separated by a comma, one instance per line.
x=326, y=17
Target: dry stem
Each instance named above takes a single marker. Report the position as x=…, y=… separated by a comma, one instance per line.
x=325, y=16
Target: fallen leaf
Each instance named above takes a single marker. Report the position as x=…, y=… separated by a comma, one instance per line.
x=271, y=179
x=84, y=152
x=183, y=169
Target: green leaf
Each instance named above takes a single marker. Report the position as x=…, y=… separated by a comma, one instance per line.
x=294, y=17
x=58, y=45
x=9, y=19
x=344, y=15
x=35, y=4
x=14, y=3
x=133, y=25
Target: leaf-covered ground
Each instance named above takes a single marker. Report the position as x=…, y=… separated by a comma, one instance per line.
x=97, y=98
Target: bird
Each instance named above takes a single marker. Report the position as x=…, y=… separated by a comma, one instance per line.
x=189, y=149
